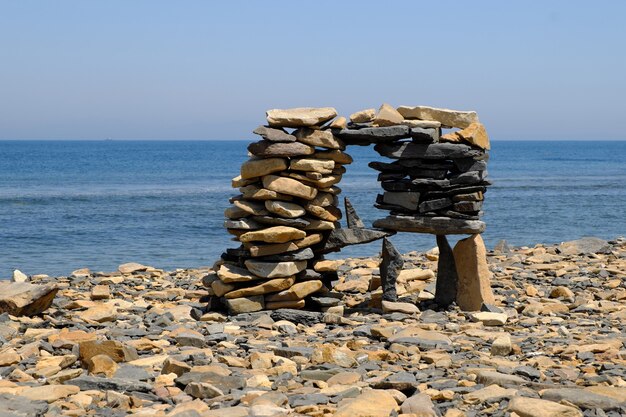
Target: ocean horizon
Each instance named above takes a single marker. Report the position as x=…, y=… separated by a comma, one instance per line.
x=68, y=204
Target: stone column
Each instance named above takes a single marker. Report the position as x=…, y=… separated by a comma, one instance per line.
x=446, y=289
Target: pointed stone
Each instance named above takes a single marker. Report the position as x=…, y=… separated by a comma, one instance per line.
x=340, y=238
x=390, y=268
x=445, y=291
x=353, y=219
x=473, y=290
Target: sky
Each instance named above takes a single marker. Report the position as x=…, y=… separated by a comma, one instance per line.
x=150, y=69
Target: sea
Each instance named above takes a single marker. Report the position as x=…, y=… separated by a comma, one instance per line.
x=66, y=205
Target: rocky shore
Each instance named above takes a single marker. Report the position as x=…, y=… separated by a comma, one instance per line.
x=140, y=341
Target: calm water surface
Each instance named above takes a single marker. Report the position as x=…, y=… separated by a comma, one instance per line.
x=70, y=204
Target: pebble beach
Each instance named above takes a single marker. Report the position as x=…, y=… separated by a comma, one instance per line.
x=140, y=341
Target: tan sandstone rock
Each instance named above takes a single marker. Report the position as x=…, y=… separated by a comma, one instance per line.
x=388, y=116
x=473, y=287
x=447, y=117
x=289, y=186
x=275, y=269
x=300, y=116
x=260, y=167
x=276, y=234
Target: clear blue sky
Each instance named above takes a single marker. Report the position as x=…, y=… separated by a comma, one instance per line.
x=149, y=69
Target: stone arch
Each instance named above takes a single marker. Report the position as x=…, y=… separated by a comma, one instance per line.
x=287, y=215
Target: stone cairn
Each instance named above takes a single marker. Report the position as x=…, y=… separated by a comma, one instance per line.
x=436, y=185
x=287, y=215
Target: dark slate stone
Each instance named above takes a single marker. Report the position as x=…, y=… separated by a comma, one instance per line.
x=425, y=164
x=85, y=382
x=18, y=406
x=428, y=151
x=133, y=373
x=290, y=352
x=390, y=267
x=224, y=383
x=267, y=149
x=454, y=191
x=430, y=182
x=581, y=398
x=425, y=135
x=436, y=174
x=469, y=178
x=300, y=255
x=323, y=374
x=419, y=184
x=326, y=301
x=456, y=215
x=274, y=134
x=470, y=164
x=402, y=381
x=281, y=221
x=352, y=218
x=585, y=245
x=391, y=176
x=447, y=278
x=369, y=135
x=386, y=167
x=432, y=205
x=308, y=318
x=308, y=275
x=308, y=399
x=340, y=238
x=434, y=225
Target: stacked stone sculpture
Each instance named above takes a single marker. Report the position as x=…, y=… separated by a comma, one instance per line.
x=287, y=214
x=435, y=184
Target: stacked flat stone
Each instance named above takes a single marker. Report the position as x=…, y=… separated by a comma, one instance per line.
x=286, y=208
x=436, y=182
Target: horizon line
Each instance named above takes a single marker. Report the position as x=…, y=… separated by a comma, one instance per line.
x=248, y=140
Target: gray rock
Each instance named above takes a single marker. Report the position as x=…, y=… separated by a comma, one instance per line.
x=307, y=399
x=202, y=390
x=85, y=382
x=274, y=134
x=421, y=405
x=308, y=318
x=582, y=398
x=131, y=372
x=469, y=178
x=432, y=205
x=368, y=135
x=300, y=255
x=290, y=352
x=18, y=406
x=402, y=381
x=445, y=293
x=352, y=218
x=390, y=267
x=425, y=135
x=319, y=374
x=340, y=238
x=428, y=151
x=267, y=149
x=433, y=225
x=585, y=245
x=281, y=221
x=492, y=377
x=223, y=383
